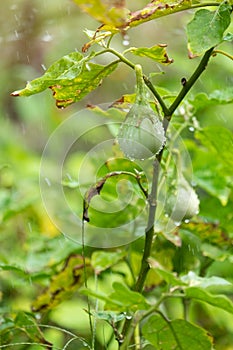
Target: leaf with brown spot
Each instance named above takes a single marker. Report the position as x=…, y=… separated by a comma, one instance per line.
x=156, y=9
x=70, y=78
x=110, y=12
x=70, y=278
x=156, y=53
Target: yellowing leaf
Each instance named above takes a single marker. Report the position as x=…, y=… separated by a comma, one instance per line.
x=110, y=12
x=156, y=9
x=157, y=53
x=70, y=78
x=63, y=284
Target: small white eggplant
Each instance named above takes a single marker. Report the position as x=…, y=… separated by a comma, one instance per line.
x=184, y=203
x=141, y=135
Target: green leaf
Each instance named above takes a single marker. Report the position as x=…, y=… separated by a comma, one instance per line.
x=220, y=301
x=207, y=28
x=176, y=334
x=102, y=260
x=122, y=299
x=70, y=78
x=129, y=300
x=202, y=100
x=110, y=316
x=170, y=278
x=209, y=173
x=28, y=325
x=204, y=282
x=214, y=185
x=14, y=268
x=106, y=187
x=157, y=53
x=214, y=252
x=228, y=37
x=218, y=140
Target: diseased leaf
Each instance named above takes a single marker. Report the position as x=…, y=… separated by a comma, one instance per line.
x=113, y=12
x=208, y=232
x=176, y=334
x=116, y=17
x=220, y=301
x=157, y=53
x=125, y=101
x=97, y=37
x=70, y=78
x=156, y=9
x=89, y=79
x=66, y=68
x=207, y=29
x=64, y=283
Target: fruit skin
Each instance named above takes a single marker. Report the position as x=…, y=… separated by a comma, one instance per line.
x=141, y=135
x=184, y=204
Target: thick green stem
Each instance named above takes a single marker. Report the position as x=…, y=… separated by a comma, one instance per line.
x=140, y=91
x=149, y=229
x=189, y=83
x=157, y=95
x=129, y=325
x=146, y=79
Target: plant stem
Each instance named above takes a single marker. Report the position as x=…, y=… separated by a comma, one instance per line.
x=189, y=83
x=156, y=94
x=146, y=79
x=222, y=53
x=120, y=56
x=150, y=228
x=129, y=325
x=149, y=234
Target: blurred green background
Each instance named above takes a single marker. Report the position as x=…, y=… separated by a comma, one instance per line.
x=34, y=34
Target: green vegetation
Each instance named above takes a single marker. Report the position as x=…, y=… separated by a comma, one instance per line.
x=116, y=207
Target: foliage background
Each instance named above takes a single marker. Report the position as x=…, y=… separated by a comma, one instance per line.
x=34, y=34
